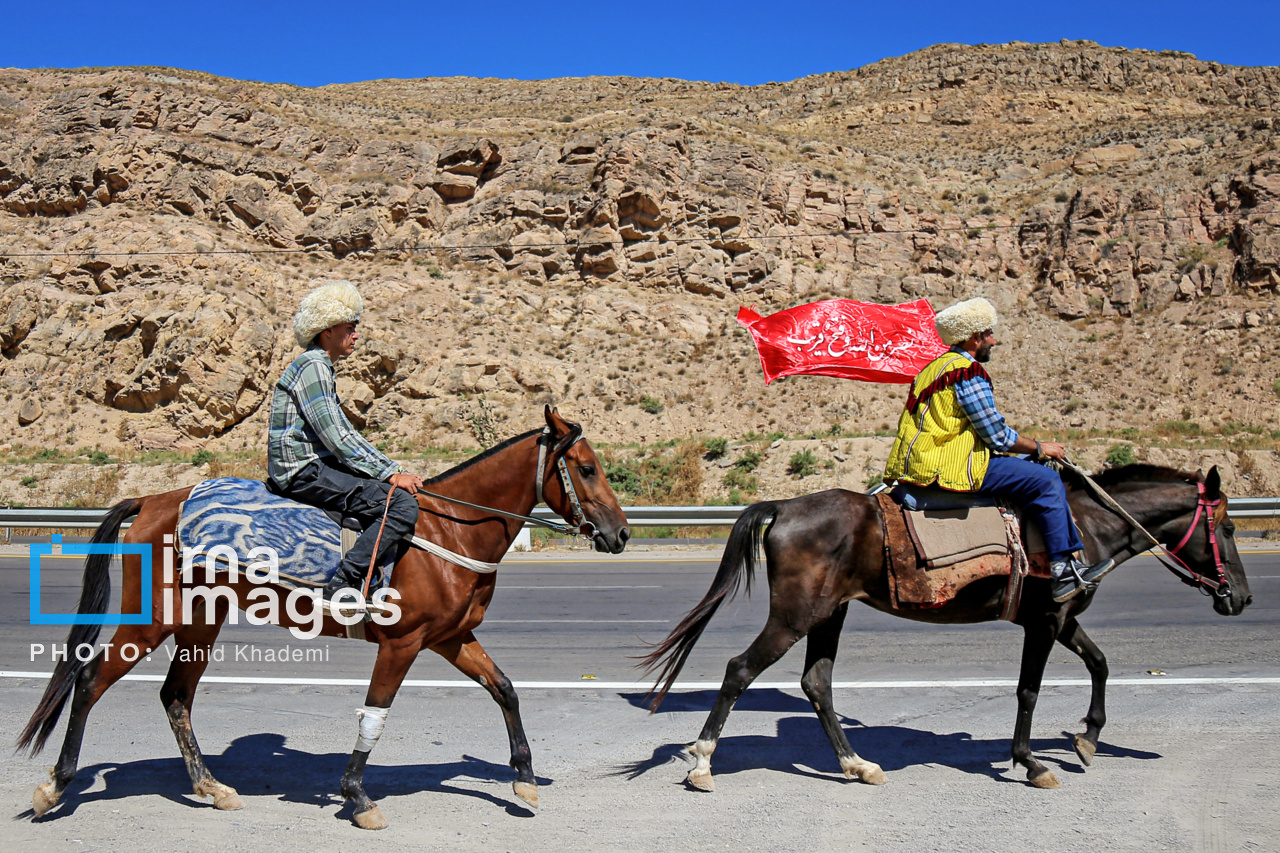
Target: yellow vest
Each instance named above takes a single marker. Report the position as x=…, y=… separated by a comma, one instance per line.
x=936, y=443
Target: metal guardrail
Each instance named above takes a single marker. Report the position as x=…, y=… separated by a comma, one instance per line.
x=1254, y=507
x=639, y=516
x=670, y=516
x=46, y=516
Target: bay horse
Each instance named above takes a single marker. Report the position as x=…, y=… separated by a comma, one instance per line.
x=440, y=604
x=826, y=549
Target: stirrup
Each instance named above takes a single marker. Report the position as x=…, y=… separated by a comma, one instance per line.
x=1081, y=583
x=327, y=593
x=1078, y=585
x=1096, y=572
x=328, y=608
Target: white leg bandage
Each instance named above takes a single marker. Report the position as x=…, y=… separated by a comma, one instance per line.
x=372, y=722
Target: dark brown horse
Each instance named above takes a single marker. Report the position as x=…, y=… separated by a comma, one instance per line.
x=827, y=549
x=440, y=603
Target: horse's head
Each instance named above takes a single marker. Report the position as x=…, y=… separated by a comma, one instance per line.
x=1204, y=539
x=585, y=499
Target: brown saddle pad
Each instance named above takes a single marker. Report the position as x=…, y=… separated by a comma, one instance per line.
x=946, y=537
x=932, y=555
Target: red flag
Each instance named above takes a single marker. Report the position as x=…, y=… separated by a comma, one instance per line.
x=847, y=339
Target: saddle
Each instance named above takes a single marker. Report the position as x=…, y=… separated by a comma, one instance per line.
x=938, y=542
x=247, y=514
x=349, y=527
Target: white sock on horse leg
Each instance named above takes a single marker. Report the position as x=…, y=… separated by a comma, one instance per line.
x=372, y=722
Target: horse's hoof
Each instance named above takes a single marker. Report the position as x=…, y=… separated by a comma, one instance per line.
x=527, y=791
x=873, y=775
x=865, y=771
x=1044, y=779
x=224, y=798
x=371, y=818
x=228, y=801
x=44, y=798
x=700, y=780
x=1085, y=749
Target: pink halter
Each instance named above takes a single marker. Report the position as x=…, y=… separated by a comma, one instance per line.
x=1206, y=508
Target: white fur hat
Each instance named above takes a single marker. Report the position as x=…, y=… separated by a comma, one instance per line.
x=957, y=323
x=331, y=303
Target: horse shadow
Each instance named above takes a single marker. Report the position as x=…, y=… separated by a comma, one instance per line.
x=262, y=764
x=801, y=747
x=758, y=699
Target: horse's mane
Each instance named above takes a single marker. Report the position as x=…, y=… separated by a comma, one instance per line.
x=1137, y=473
x=497, y=448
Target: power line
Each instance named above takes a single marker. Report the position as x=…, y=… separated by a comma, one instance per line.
x=441, y=247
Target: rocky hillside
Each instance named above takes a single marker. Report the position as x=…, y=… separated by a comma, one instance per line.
x=587, y=242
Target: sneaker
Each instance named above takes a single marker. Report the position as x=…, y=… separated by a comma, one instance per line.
x=1072, y=577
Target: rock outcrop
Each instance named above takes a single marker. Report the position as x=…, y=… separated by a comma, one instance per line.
x=587, y=242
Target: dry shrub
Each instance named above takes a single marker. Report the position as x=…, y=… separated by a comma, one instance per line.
x=7, y=533
x=1245, y=463
x=1270, y=528
x=95, y=489
x=252, y=468
x=686, y=473
x=702, y=532
x=658, y=476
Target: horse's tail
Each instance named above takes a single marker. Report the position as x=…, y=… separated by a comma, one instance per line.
x=95, y=595
x=736, y=569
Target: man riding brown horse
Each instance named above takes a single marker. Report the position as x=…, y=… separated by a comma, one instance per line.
x=316, y=456
x=950, y=432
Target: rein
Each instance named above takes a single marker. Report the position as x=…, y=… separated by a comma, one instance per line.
x=580, y=525
x=377, y=543
x=1218, y=587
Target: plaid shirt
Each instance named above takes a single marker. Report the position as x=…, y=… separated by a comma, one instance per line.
x=979, y=405
x=307, y=423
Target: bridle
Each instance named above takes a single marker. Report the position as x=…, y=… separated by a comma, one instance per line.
x=580, y=526
x=585, y=528
x=1218, y=587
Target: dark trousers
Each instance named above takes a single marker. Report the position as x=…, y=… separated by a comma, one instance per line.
x=1040, y=492
x=337, y=489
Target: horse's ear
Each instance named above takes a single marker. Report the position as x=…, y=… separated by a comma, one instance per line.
x=1213, y=484
x=557, y=424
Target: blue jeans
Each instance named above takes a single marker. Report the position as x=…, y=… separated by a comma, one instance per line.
x=1041, y=494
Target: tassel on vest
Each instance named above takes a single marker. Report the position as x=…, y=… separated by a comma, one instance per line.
x=946, y=380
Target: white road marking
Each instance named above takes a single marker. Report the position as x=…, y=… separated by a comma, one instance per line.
x=954, y=684
x=615, y=559
x=653, y=586
x=608, y=558
x=576, y=621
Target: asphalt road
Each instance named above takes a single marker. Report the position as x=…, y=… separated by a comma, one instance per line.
x=1188, y=760
x=558, y=617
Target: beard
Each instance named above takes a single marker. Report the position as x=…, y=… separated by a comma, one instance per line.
x=983, y=355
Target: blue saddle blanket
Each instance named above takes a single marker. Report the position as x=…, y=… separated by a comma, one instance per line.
x=243, y=515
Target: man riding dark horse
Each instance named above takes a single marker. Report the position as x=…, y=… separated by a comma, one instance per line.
x=314, y=453
x=950, y=433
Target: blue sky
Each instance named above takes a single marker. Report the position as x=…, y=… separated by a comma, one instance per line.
x=744, y=42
